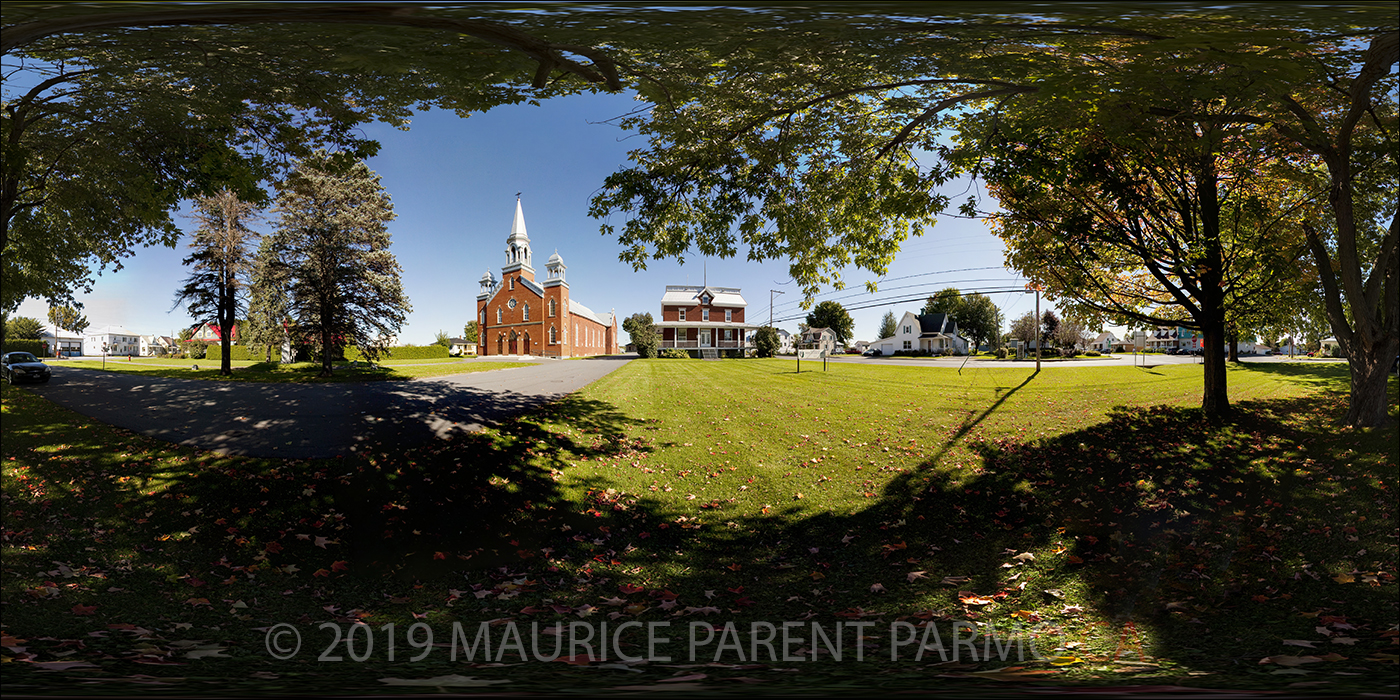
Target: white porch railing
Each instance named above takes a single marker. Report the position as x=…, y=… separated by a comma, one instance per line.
x=695, y=344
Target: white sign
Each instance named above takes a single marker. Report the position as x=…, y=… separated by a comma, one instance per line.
x=811, y=354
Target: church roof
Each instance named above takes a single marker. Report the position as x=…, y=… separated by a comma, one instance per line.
x=578, y=309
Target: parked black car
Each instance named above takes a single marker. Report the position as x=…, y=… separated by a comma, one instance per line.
x=22, y=366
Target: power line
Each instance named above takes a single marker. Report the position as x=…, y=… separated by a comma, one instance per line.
x=860, y=292
x=920, y=297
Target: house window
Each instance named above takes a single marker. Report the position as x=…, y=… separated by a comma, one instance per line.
x=682, y=314
x=907, y=346
x=680, y=334
x=498, y=314
x=728, y=334
x=527, y=312
x=907, y=331
x=705, y=315
x=729, y=315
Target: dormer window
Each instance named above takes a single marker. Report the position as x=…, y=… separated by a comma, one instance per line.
x=705, y=299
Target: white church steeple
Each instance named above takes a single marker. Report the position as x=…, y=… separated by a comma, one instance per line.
x=518, y=256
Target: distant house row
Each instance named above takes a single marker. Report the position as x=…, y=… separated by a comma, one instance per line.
x=116, y=340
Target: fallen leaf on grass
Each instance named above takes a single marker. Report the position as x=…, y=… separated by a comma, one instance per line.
x=955, y=580
x=84, y=609
x=1344, y=578
x=1298, y=643
x=685, y=678
x=1012, y=673
x=61, y=665
x=453, y=680
x=1285, y=660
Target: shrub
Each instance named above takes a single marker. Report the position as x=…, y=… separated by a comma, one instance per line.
x=1092, y=353
x=36, y=348
x=236, y=352
x=675, y=354
x=1001, y=353
x=195, y=350
x=404, y=352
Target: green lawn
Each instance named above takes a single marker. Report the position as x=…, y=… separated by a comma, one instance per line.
x=1095, y=504
x=299, y=372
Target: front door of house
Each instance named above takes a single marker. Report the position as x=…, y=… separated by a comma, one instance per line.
x=705, y=338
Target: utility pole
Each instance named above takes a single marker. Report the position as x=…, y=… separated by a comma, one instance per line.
x=771, y=292
x=1039, y=335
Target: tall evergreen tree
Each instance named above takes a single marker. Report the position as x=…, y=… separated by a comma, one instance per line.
x=888, y=325
x=331, y=250
x=214, y=291
x=268, y=316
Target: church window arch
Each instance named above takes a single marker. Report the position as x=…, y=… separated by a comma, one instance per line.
x=527, y=312
x=553, y=336
x=552, y=308
x=498, y=314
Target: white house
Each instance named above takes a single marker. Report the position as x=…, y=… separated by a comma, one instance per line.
x=111, y=340
x=927, y=332
x=461, y=346
x=61, y=343
x=787, y=344
x=1104, y=342
x=819, y=339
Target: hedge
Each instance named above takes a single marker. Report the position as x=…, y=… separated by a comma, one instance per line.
x=33, y=347
x=404, y=352
x=236, y=352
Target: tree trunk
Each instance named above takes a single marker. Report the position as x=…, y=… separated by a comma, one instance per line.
x=1370, y=370
x=1215, y=398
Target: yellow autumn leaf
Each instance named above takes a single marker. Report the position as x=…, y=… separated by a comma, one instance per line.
x=1065, y=660
x=1344, y=578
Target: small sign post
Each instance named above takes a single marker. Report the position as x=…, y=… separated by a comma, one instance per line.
x=811, y=355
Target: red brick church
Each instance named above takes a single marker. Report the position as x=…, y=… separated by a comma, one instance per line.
x=521, y=316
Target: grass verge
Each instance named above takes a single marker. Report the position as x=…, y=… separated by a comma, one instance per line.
x=1142, y=543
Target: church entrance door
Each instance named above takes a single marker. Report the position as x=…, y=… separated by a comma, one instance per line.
x=513, y=343
x=526, y=351
x=501, y=344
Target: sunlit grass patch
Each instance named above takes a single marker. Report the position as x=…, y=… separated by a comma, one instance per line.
x=1079, y=504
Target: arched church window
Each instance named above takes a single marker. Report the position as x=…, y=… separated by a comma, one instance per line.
x=498, y=314
x=527, y=312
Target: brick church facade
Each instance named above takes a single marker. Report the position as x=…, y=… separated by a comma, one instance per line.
x=519, y=315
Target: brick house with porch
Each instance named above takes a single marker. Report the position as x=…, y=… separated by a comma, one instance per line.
x=703, y=319
x=519, y=315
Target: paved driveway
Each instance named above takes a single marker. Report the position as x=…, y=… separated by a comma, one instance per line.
x=315, y=420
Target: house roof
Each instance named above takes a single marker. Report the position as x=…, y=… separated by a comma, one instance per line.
x=690, y=294
x=936, y=325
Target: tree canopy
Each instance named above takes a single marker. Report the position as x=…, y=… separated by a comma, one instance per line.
x=331, y=251
x=221, y=266
x=67, y=318
x=831, y=314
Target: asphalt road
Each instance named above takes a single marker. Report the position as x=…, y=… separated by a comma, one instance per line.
x=315, y=420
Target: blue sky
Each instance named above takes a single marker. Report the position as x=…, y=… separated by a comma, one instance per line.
x=453, y=183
